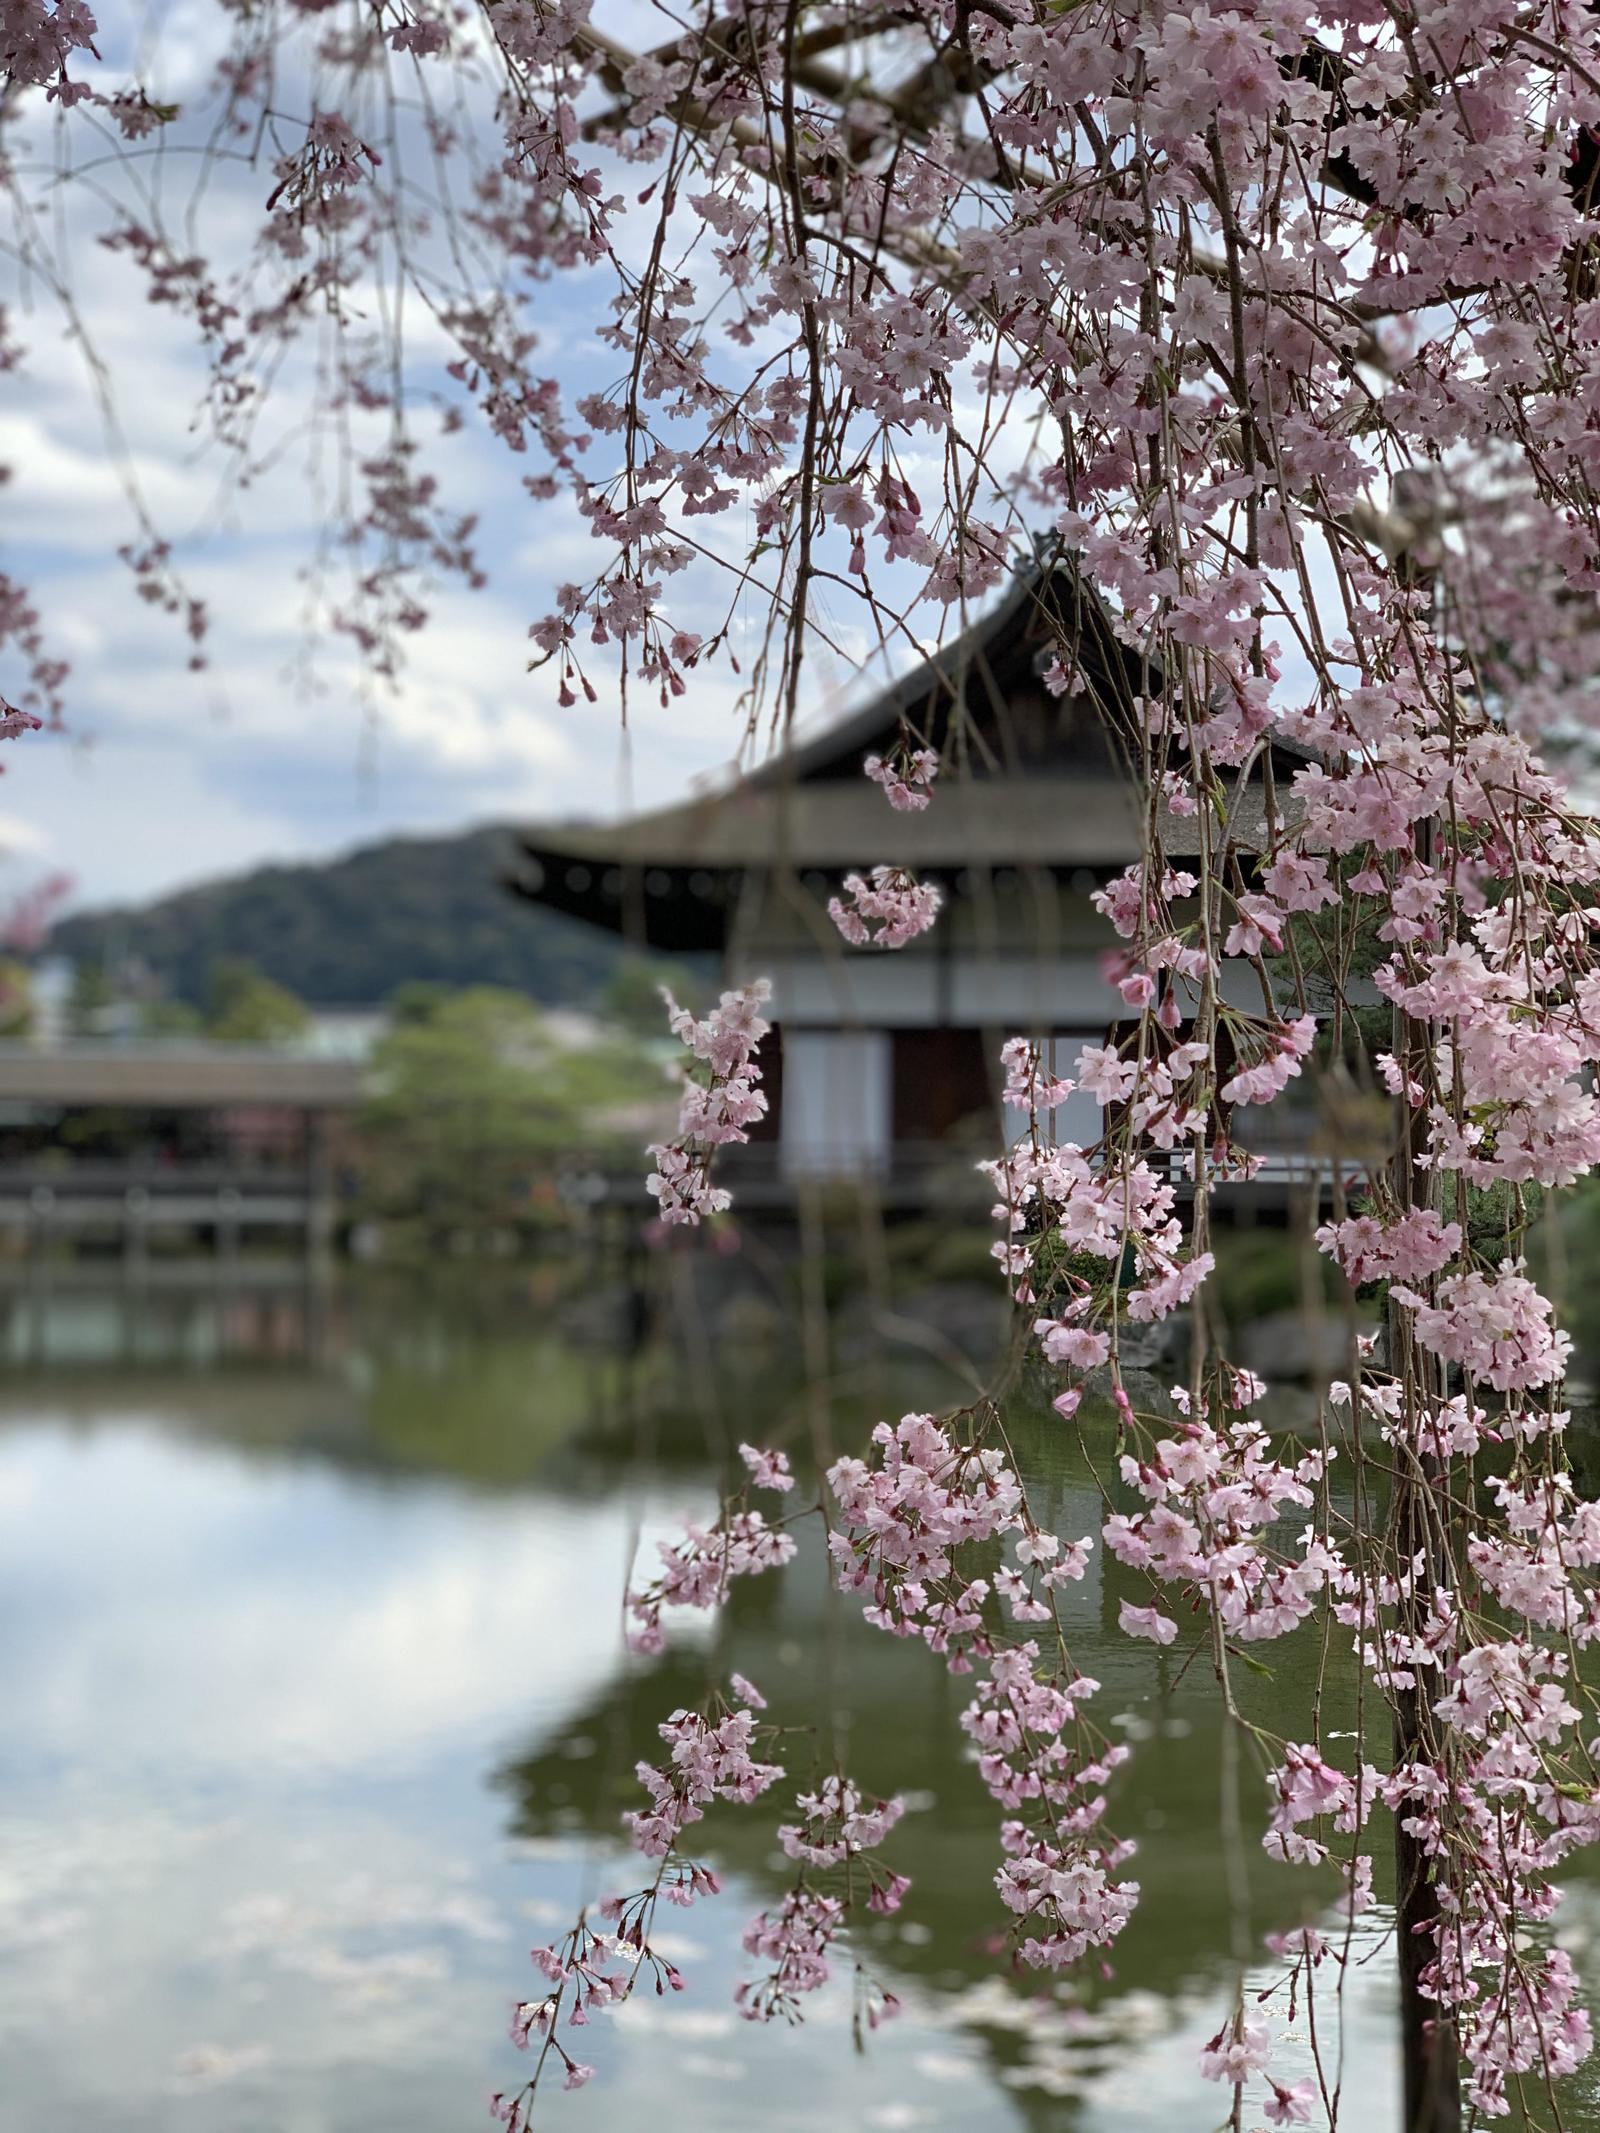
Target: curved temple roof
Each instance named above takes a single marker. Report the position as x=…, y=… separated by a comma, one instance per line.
x=1031, y=780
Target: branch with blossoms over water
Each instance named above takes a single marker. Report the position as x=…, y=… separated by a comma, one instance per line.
x=715, y=1754
x=697, y=1570
x=711, y=1757
x=716, y=1106
x=1468, y=1603
x=835, y=1844
x=590, y=1971
x=1276, y=328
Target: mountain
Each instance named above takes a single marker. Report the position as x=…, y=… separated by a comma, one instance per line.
x=346, y=932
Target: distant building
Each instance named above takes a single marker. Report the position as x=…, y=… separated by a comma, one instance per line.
x=141, y=1144
x=51, y=991
x=884, y=1062
x=352, y=1033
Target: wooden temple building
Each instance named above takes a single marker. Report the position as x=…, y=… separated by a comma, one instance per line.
x=885, y=1064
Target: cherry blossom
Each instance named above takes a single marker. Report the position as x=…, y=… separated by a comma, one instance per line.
x=835, y=1845
x=715, y=1111
x=893, y=901
x=1263, y=342
x=696, y=1571
x=767, y=1470
x=907, y=779
x=1146, y=1622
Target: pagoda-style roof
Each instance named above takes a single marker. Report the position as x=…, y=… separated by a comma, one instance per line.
x=1031, y=779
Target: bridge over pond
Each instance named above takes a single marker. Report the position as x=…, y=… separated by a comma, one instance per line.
x=201, y=1140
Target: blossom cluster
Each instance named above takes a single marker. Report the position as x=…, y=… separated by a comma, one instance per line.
x=718, y=1109
x=1266, y=337
x=592, y=1970
x=1042, y=1762
x=708, y=1762
x=1242, y=2048
x=697, y=1570
x=834, y=1845
x=903, y=1520
x=1497, y=1326
x=892, y=900
x=1211, y=1498
x=906, y=778
x=902, y=1517
x=1417, y=1243
x=1511, y=1813
x=1027, y=1085
x=1058, y=1196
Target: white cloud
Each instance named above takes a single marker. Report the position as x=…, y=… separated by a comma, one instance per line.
x=189, y=776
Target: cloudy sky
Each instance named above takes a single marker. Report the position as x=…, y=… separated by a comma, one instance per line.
x=164, y=777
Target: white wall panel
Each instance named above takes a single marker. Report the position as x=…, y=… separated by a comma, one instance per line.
x=920, y=989
x=888, y=991
x=1016, y=992
x=1080, y=1118
x=836, y=1103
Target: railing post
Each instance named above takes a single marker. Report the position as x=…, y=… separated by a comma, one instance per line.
x=230, y=1205
x=41, y=1205
x=319, y=1189
x=135, y=1232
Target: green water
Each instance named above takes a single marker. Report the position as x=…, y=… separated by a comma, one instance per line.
x=317, y=1715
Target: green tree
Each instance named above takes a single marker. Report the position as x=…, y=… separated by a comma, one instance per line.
x=417, y=1001
x=631, y=997
x=243, y=1007
x=170, y=1018
x=90, y=1001
x=475, y=1107
x=16, y=998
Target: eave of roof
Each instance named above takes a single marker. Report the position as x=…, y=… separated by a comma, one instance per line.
x=1056, y=595
x=178, y=1077
x=1055, y=822
x=810, y=807
x=988, y=822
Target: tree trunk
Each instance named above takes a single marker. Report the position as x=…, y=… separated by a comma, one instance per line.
x=1428, y=2046
x=1427, y=2035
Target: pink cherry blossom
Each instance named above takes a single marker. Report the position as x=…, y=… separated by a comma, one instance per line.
x=1146, y=1622
x=907, y=780
x=768, y=1470
x=1264, y=341
x=899, y=906
x=716, y=1111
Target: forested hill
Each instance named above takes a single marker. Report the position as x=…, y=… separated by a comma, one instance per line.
x=347, y=932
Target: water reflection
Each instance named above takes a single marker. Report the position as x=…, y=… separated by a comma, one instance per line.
x=70, y=1315
x=317, y=1716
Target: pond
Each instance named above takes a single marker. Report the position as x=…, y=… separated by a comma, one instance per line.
x=317, y=1716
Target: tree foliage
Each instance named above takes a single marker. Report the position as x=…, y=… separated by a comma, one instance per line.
x=476, y=1110
x=243, y=1007
x=348, y=932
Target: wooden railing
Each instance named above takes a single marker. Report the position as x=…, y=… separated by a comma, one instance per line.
x=41, y=1203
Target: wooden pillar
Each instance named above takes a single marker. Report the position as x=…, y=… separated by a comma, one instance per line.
x=135, y=1233
x=319, y=1188
x=41, y=1205
x=230, y=1206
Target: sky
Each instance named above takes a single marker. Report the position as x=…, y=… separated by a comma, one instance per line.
x=162, y=777
x=279, y=751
